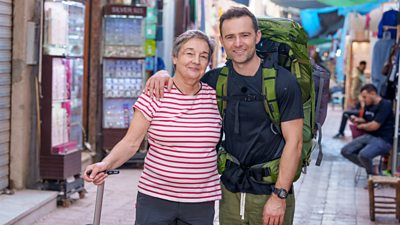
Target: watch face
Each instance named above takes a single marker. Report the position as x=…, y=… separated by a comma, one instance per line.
x=281, y=193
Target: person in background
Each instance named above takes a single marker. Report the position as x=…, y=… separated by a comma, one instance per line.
x=179, y=183
x=358, y=110
x=247, y=128
x=378, y=125
x=358, y=79
x=318, y=60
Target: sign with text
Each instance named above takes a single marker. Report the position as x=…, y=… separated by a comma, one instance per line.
x=126, y=10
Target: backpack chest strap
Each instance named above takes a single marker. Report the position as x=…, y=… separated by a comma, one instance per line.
x=244, y=98
x=269, y=91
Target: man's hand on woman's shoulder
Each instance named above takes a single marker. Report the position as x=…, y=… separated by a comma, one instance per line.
x=156, y=83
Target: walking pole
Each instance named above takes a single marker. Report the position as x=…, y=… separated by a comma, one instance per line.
x=99, y=198
x=99, y=204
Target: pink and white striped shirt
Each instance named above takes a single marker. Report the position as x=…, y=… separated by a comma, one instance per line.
x=181, y=164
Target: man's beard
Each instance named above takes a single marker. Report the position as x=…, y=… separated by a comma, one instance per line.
x=248, y=58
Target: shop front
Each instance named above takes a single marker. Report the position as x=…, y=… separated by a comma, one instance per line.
x=5, y=89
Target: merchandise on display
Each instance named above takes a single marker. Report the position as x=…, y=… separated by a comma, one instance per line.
x=59, y=134
x=123, y=63
x=123, y=31
x=123, y=68
x=60, y=80
x=124, y=37
x=150, y=47
x=122, y=87
x=123, y=78
x=123, y=73
x=67, y=105
x=64, y=26
x=118, y=113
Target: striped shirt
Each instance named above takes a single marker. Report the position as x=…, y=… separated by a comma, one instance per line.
x=181, y=164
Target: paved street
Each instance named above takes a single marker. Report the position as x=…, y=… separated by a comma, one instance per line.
x=325, y=195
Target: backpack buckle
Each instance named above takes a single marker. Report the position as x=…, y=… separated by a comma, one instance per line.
x=250, y=98
x=274, y=129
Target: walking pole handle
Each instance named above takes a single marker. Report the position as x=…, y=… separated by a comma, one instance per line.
x=108, y=172
x=99, y=196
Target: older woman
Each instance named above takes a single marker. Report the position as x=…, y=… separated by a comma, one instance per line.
x=179, y=183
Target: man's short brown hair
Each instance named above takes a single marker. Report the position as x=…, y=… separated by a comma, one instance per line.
x=236, y=12
x=369, y=88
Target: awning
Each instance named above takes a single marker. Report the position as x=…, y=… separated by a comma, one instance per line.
x=349, y=2
x=323, y=21
x=300, y=4
x=243, y=2
x=330, y=22
x=318, y=41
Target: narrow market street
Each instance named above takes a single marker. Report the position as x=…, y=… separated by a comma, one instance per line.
x=73, y=81
x=326, y=195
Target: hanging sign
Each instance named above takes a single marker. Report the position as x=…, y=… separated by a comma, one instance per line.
x=126, y=10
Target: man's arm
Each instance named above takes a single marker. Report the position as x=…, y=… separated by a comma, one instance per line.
x=156, y=83
x=357, y=120
x=370, y=126
x=383, y=113
x=292, y=132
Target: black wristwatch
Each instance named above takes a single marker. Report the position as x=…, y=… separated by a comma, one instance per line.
x=280, y=192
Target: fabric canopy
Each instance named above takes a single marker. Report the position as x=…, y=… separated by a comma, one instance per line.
x=244, y=2
x=318, y=41
x=349, y=2
x=300, y=4
x=323, y=21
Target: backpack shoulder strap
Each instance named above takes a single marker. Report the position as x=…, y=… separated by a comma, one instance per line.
x=222, y=89
x=295, y=66
x=269, y=91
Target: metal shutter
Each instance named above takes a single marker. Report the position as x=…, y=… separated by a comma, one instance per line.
x=5, y=88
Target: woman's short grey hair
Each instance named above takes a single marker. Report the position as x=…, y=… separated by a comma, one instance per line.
x=188, y=35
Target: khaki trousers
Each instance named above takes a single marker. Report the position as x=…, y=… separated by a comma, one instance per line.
x=229, y=209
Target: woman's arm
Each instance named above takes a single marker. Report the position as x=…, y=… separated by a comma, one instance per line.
x=122, y=151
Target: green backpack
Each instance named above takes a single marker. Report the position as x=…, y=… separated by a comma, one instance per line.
x=285, y=42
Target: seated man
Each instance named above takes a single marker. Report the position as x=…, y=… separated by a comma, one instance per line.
x=378, y=124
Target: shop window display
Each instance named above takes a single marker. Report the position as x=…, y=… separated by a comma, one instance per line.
x=123, y=76
x=61, y=97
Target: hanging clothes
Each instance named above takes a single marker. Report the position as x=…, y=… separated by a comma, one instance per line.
x=380, y=55
x=389, y=87
x=389, y=18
